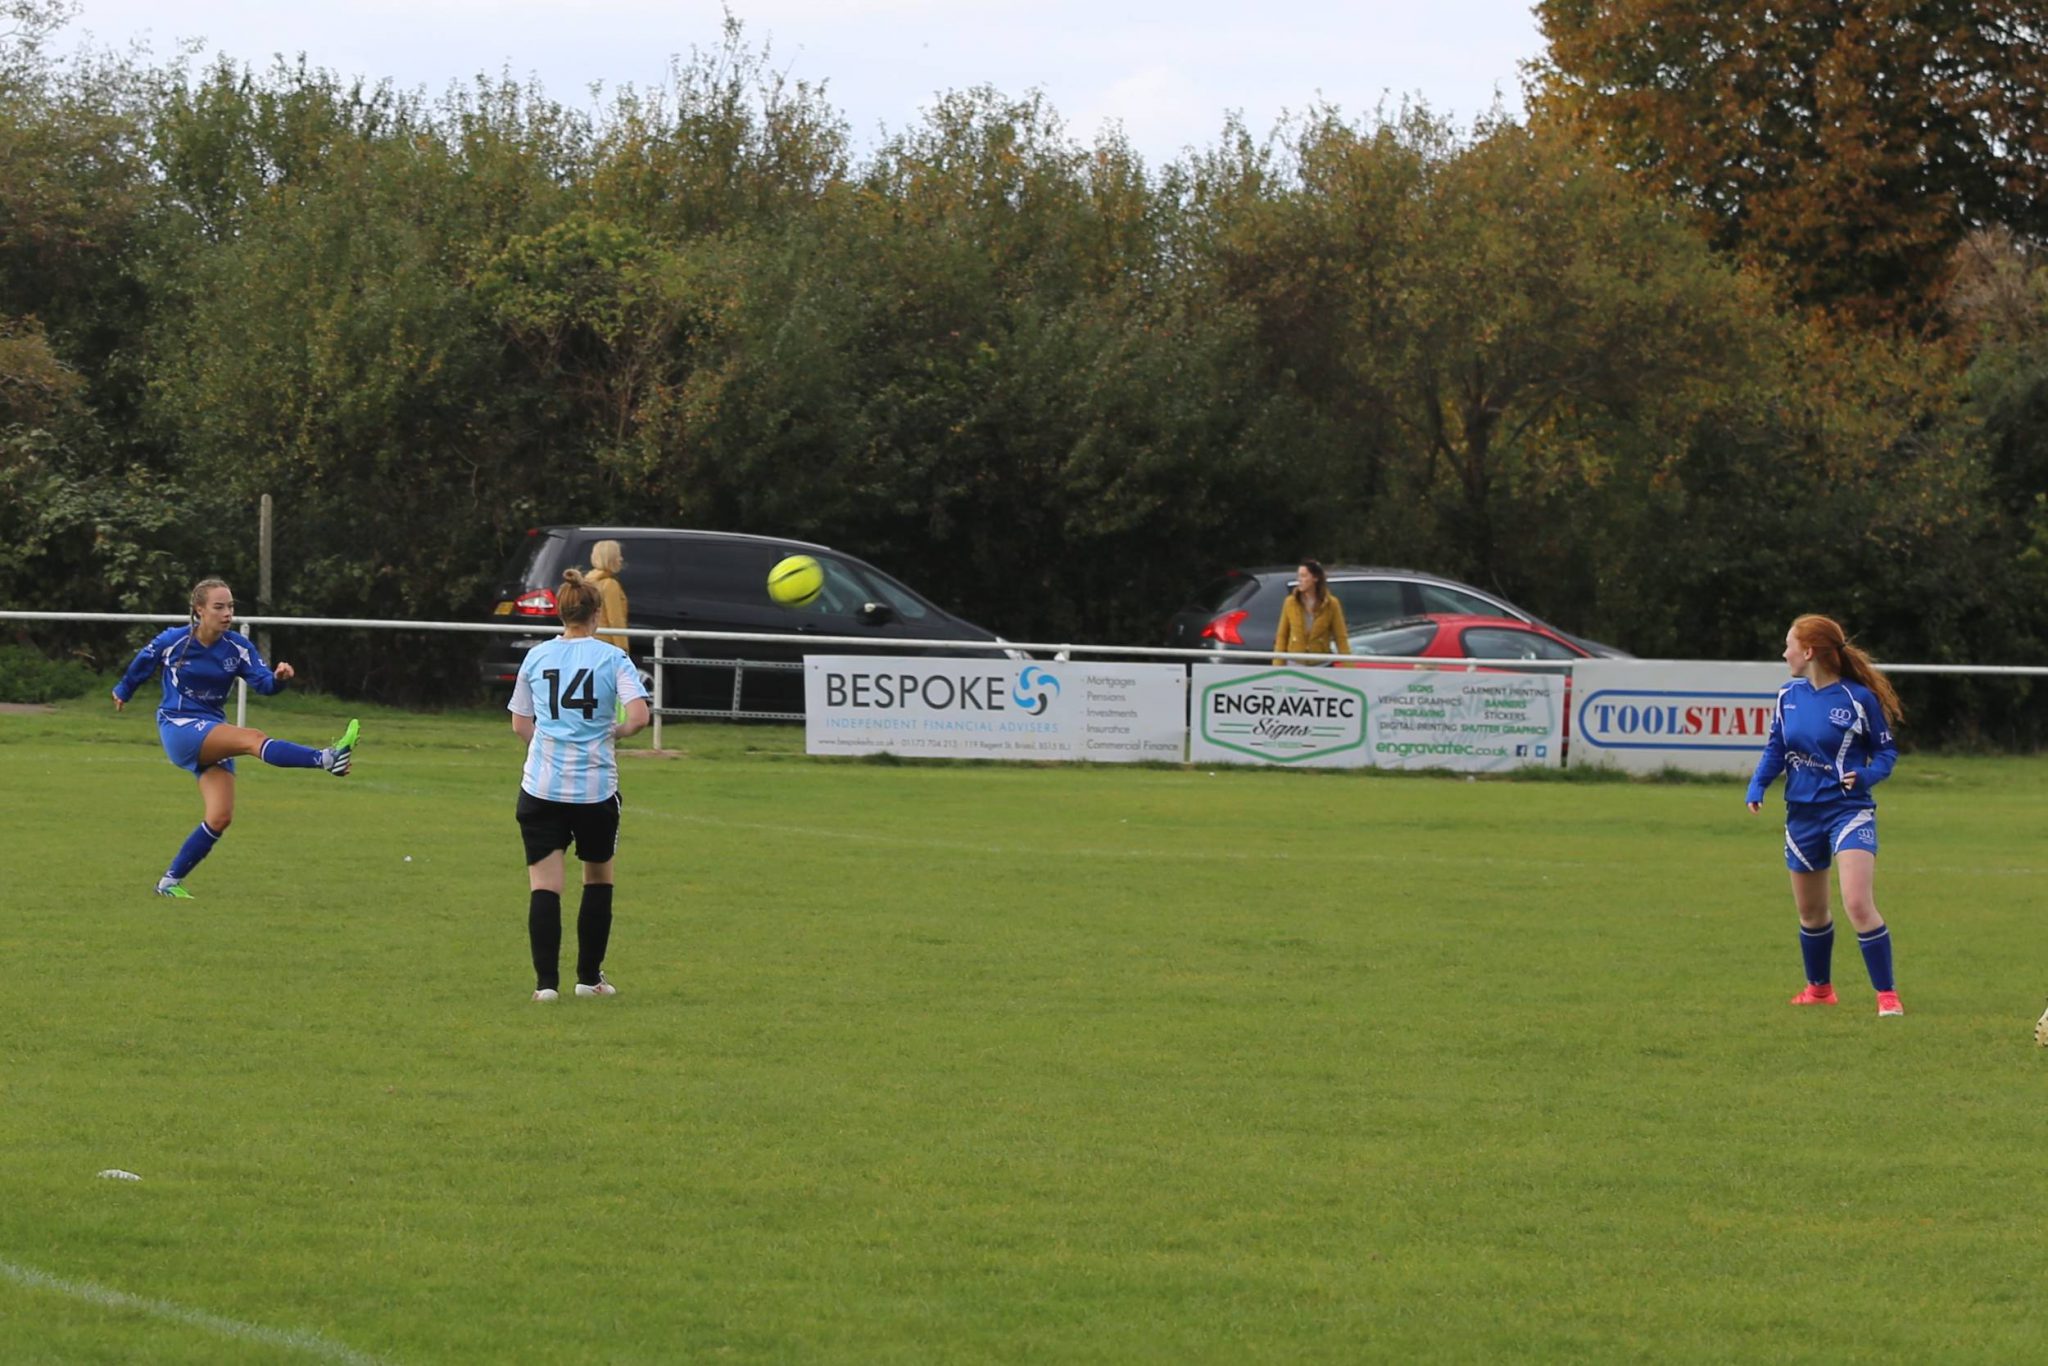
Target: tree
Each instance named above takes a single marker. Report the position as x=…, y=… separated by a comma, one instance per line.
x=87, y=508
x=2001, y=305
x=1851, y=144
x=1496, y=327
x=321, y=342
x=967, y=368
x=727, y=140
x=74, y=198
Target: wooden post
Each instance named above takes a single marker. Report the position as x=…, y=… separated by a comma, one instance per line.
x=263, y=529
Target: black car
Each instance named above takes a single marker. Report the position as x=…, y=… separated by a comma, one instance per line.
x=718, y=581
x=1240, y=612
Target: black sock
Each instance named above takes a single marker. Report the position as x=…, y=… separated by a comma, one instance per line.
x=593, y=931
x=544, y=932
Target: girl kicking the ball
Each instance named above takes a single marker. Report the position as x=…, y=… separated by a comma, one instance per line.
x=563, y=706
x=199, y=662
x=1831, y=735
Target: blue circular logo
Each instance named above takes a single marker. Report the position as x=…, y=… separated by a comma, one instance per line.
x=1035, y=689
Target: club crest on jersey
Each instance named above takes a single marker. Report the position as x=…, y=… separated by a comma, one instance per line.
x=1839, y=715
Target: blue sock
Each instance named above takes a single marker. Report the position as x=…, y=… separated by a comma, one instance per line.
x=285, y=754
x=1877, y=956
x=197, y=846
x=1817, y=947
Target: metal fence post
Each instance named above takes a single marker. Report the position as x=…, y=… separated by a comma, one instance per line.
x=660, y=653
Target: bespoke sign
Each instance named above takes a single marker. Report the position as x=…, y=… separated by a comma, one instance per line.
x=990, y=709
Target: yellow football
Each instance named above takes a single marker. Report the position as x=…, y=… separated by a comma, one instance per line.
x=796, y=581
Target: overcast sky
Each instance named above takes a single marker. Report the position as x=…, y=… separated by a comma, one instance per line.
x=1167, y=70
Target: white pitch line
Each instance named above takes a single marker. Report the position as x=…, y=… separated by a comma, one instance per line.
x=310, y=1343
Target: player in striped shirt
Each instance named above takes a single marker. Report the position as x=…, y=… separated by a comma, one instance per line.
x=199, y=664
x=1831, y=736
x=563, y=705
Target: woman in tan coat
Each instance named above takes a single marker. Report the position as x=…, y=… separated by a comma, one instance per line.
x=1311, y=620
x=606, y=560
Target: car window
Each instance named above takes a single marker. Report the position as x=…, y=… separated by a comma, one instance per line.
x=641, y=571
x=1228, y=591
x=1401, y=640
x=1368, y=601
x=1437, y=597
x=534, y=562
x=864, y=584
x=694, y=568
x=1505, y=642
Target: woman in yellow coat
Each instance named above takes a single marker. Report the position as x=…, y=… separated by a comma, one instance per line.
x=606, y=560
x=1311, y=620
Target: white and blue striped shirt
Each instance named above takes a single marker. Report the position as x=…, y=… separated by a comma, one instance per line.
x=572, y=688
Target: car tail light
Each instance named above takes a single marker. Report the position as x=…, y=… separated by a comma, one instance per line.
x=539, y=603
x=1224, y=628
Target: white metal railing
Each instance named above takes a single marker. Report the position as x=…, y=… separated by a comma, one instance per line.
x=1061, y=650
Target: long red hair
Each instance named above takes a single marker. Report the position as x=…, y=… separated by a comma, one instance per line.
x=1831, y=648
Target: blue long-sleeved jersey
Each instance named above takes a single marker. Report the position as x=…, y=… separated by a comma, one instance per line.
x=197, y=677
x=1817, y=735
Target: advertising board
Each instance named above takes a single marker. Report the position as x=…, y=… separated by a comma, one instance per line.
x=1474, y=721
x=994, y=709
x=1649, y=715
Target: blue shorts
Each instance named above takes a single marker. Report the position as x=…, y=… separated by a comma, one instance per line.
x=182, y=737
x=1813, y=838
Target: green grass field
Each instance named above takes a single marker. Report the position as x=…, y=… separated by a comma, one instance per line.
x=952, y=1063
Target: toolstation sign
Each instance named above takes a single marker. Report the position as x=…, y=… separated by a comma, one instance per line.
x=1618, y=718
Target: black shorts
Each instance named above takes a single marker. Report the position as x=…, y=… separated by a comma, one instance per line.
x=549, y=827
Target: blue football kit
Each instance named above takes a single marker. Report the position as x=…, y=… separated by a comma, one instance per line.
x=197, y=679
x=1817, y=736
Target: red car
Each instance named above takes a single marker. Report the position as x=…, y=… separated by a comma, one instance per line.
x=1442, y=635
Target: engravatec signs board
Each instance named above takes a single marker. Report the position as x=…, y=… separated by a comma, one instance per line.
x=1647, y=715
x=1376, y=717
x=994, y=709
x=1476, y=722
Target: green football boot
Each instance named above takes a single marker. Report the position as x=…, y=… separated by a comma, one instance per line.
x=337, y=757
